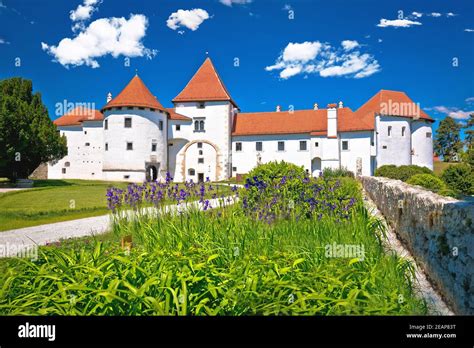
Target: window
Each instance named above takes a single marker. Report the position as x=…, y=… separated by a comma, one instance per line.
x=199, y=125
x=106, y=146
x=88, y=144
x=303, y=145
x=130, y=108
x=316, y=144
x=106, y=124
x=200, y=152
x=141, y=108
x=200, y=160
x=238, y=146
x=428, y=134
x=384, y=147
x=85, y=132
x=191, y=171
x=281, y=146
x=345, y=145
x=128, y=122
x=160, y=125
x=153, y=147
x=178, y=127
x=199, y=145
x=389, y=131
x=67, y=164
x=126, y=176
x=403, y=131
x=258, y=146
x=201, y=105
x=129, y=146
x=234, y=169
x=64, y=170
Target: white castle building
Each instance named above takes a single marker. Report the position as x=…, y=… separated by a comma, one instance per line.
x=134, y=138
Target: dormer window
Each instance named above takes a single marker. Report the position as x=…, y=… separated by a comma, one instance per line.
x=201, y=105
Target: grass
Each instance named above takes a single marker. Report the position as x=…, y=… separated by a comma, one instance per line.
x=440, y=166
x=56, y=200
x=219, y=262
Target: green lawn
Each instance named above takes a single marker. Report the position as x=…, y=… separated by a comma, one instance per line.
x=56, y=200
x=439, y=166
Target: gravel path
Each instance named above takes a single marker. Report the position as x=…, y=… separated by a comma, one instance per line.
x=13, y=242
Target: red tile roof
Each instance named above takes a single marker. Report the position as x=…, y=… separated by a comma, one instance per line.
x=205, y=85
x=77, y=116
x=135, y=94
x=173, y=115
x=314, y=122
x=393, y=103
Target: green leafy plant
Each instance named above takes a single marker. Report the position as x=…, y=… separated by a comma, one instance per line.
x=459, y=178
x=428, y=181
x=402, y=173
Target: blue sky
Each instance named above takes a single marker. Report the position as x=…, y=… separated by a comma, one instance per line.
x=289, y=52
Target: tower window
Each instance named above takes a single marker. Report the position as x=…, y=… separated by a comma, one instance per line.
x=64, y=170
x=85, y=132
x=199, y=145
x=128, y=122
x=258, y=146
x=238, y=147
x=281, y=146
x=389, y=131
x=160, y=125
x=88, y=144
x=178, y=127
x=200, y=160
x=201, y=105
x=428, y=134
x=403, y=131
x=191, y=171
x=316, y=144
x=106, y=124
x=199, y=125
x=129, y=146
x=106, y=146
x=200, y=152
x=153, y=147
x=303, y=146
x=345, y=145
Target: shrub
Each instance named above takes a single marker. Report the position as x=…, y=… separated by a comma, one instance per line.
x=402, y=173
x=428, y=181
x=459, y=178
x=448, y=193
x=337, y=173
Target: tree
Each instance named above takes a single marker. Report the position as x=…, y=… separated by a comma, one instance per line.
x=448, y=141
x=469, y=141
x=28, y=137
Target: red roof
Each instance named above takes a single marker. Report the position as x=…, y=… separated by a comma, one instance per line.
x=205, y=85
x=77, y=116
x=173, y=115
x=135, y=94
x=391, y=103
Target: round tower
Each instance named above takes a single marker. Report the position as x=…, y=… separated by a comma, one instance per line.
x=135, y=135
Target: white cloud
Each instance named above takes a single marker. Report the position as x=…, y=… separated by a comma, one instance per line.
x=450, y=14
x=2, y=5
x=453, y=112
x=469, y=100
x=323, y=59
x=114, y=36
x=397, y=23
x=417, y=14
x=237, y=2
x=379, y=40
x=349, y=44
x=287, y=7
x=190, y=19
x=4, y=42
x=435, y=14
x=84, y=11
x=469, y=30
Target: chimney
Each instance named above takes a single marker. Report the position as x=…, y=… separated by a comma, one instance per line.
x=315, y=106
x=278, y=108
x=109, y=97
x=332, y=120
x=341, y=105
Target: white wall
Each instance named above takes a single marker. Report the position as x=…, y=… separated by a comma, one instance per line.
x=398, y=147
x=359, y=147
x=422, y=144
x=81, y=162
x=118, y=161
x=217, y=118
x=246, y=159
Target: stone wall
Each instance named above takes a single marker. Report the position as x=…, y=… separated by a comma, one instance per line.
x=41, y=172
x=438, y=231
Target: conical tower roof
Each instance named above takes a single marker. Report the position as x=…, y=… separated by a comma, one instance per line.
x=136, y=94
x=205, y=85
